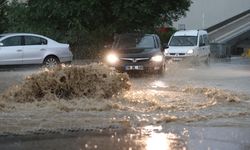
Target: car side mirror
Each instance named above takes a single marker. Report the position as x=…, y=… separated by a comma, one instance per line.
x=1, y=44
x=202, y=44
x=165, y=45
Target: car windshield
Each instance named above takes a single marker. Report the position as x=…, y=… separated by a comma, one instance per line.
x=134, y=41
x=183, y=41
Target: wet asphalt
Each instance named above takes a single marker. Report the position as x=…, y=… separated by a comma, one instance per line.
x=229, y=74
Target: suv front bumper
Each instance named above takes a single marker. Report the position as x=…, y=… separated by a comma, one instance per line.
x=147, y=65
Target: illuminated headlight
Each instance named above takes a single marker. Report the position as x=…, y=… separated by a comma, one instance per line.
x=190, y=51
x=112, y=58
x=166, y=51
x=157, y=58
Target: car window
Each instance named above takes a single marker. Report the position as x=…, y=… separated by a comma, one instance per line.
x=146, y=42
x=33, y=40
x=183, y=41
x=201, y=42
x=206, y=40
x=13, y=41
x=134, y=41
x=158, y=41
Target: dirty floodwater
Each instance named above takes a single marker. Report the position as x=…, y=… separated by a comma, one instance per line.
x=189, y=107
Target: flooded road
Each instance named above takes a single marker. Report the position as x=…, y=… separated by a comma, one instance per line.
x=232, y=74
x=201, y=107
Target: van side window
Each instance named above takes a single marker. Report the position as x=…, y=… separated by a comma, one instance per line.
x=206, y=39
x=201, y=42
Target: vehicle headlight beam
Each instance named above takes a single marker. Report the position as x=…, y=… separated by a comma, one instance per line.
x=157, y=58
x=191, y=51
x=112, y=58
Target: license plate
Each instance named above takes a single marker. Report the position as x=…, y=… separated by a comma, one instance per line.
x=133, y=67
x=177, y=59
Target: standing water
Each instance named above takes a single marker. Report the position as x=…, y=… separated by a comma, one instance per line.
x=201, y=107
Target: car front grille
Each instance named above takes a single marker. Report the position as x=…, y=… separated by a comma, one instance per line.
x=134, y=60
x=177, y=54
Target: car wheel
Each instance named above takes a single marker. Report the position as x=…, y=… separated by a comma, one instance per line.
x=51, y=61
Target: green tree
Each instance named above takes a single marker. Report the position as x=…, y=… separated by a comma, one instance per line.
x=87, y=24
x=3, y=20
x=16, y=17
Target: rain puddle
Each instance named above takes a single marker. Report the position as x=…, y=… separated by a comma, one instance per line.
x=90, y=96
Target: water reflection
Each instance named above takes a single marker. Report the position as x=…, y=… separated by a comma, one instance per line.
x=158, y=84
x=148, y=138
x=158, y=140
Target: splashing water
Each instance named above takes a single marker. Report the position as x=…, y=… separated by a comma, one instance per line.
x=95, y=90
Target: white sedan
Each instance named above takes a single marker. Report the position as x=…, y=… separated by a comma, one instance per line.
x=26, y=48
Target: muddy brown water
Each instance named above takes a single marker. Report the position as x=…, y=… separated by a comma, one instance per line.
x=186, y=101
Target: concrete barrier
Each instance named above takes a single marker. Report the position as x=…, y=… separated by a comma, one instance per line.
x=219, y=50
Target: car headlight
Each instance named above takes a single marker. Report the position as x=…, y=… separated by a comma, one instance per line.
x=157, y=58
x=166, y=51
x=112, y=58
x=191, y=51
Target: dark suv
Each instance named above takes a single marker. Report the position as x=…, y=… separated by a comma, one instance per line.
x=136, y=52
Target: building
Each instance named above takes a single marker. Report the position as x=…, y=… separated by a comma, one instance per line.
x=227, y=21
x=206, y=13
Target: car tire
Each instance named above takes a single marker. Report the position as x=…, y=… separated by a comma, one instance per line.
x=51, y=62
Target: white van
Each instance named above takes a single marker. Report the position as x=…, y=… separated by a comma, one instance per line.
x=190, y=44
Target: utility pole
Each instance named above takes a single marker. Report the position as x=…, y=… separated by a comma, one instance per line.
x=203, y=20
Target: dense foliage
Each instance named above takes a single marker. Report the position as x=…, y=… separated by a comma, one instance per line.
x=3, y=20
x=88, y=24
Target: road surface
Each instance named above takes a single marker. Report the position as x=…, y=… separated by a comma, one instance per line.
x=189, y=107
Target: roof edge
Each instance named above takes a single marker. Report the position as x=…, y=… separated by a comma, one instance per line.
x=221, y=24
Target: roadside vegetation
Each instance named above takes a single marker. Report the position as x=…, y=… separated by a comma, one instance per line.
x=88, y=25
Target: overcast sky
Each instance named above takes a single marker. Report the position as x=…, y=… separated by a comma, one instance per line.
x=205, y=13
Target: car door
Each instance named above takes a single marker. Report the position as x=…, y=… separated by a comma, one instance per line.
x=202, y=48
x=207, y=47
x=34, y=49
x=11, y=51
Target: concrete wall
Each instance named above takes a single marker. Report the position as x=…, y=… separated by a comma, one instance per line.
x=205, y=13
